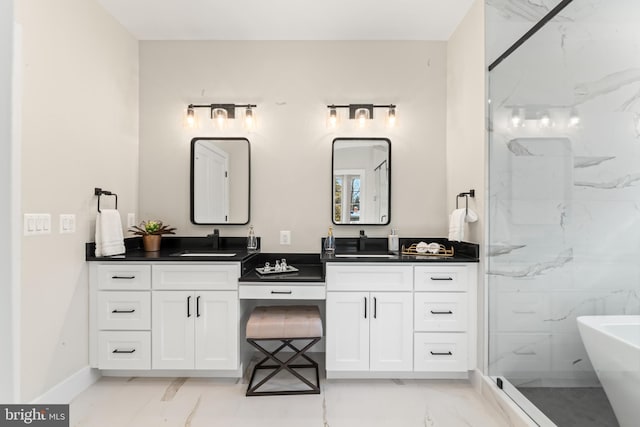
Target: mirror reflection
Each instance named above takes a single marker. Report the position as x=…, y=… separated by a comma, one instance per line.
x=361, y=169
x=220, y=180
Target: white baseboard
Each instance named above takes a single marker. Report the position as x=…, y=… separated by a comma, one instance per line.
x=66, y=390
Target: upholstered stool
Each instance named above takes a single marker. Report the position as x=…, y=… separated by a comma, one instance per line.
x=285, y=324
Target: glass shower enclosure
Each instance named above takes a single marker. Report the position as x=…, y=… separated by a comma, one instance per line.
x=564, y=205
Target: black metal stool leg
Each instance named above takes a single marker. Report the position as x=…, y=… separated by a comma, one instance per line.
x=284, y=365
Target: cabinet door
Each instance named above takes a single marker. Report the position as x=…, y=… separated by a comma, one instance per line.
x=216, y=329
x=348, y=331
x=391, y=331
x=172, y=326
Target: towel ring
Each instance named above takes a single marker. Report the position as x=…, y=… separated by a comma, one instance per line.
x=100, y=192
x=470, y=193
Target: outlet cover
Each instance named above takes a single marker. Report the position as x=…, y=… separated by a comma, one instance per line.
x=67, y=223
x=131, y=220
x=285, y=237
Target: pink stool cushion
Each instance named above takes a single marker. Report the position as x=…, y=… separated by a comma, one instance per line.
x=294, y=321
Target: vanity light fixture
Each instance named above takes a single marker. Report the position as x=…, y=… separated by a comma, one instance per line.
x=221, y=113
x=516, y=118
x=361, y=112
x=545, y=119
x=574, y=118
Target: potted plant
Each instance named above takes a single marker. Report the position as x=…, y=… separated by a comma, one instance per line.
x=151, y=232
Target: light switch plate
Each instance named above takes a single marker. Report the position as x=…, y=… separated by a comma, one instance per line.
x=37, y=224
x=67, y=223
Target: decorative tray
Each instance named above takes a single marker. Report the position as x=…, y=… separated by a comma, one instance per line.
x=418, y=249
x=272, y=270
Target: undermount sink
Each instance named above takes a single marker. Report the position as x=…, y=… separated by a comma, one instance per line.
x=365, y=256
x=204, y=254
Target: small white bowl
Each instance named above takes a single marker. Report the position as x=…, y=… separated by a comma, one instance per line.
x=433, y=247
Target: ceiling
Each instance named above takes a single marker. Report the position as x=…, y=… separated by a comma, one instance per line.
x=289, y=19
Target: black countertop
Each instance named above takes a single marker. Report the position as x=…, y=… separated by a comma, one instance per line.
x=347, y=251
x=175, y=245
x=310, y=268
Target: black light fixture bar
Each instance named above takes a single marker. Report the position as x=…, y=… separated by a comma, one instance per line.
x=229, y=108
x=353, y=108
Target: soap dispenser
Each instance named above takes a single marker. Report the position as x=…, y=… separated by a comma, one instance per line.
x=252, y=240
x=330, y=242
x=394, y=241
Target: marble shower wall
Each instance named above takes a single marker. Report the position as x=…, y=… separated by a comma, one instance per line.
x=564, y=185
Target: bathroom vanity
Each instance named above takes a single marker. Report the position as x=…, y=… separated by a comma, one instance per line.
x=181, y=311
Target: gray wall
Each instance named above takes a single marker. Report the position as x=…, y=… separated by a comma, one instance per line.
x=292, y=82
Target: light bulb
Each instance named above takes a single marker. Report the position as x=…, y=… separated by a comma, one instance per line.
x=362, y=115
x=191, y=117
x=248, y=118
x=220, y=116
x=333, y=117
x=545, y=120
x=516, y=119
x=574, y=118
x=391, y=117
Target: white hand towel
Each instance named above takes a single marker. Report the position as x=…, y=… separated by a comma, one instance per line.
x=109, y=237
x=456, y=225
x=471, y=216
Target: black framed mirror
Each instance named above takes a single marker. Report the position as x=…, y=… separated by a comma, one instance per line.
x=220, y=180
x=361, y=181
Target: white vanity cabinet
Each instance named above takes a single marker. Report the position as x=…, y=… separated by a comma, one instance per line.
x=164, y=316
x=120, y=316
x=369, y=318
x=445, y=318
x=410, y=320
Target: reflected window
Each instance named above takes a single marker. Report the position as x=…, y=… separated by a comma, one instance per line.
x=348, y=199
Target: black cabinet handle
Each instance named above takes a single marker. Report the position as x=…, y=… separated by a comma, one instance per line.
x=198, y=306
x=189, y=306
x=365, y=307
x=117, y=351
x=442, y=278
x=435, y=353
x=123, y=277
x=441, y=312
x=282, y=292
x=123, y=311
x=375, y=308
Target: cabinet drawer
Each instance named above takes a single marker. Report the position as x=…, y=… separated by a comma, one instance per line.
x=441, y=278
x=440, y=311
x=440, y=352
x=369, y=277
x=124, y=310
x=124, y=350
x=124, y=276
x=192, y=276
x=311, y=292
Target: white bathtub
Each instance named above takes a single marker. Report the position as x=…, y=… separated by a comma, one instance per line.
x=613, y=345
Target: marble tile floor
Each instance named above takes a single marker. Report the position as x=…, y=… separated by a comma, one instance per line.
x=211, y=402
x=573, y=406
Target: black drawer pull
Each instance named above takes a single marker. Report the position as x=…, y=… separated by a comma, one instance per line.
x=282, y=292
x=441, y=312
x=442, y=278
x=123, y=277
x=117, y=351
x=123, y=311
x=435, y=353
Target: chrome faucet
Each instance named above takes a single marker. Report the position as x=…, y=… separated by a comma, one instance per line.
x=362, y=241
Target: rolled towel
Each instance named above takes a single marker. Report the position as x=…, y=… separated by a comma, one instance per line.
x=456, y=225
x=109, y=237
